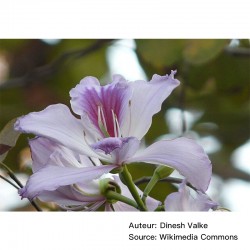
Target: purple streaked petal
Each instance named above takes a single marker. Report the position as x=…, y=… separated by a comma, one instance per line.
x=88, y=82
x=53, y=177
x=184, y=201
x=112, y=99
x=183, y=154
x=146, y=101
x=58, y=124
x=120, y=149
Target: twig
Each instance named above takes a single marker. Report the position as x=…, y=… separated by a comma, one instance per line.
x=11, y=183
x=167, y=179
x=241, y=52
x=14, y=178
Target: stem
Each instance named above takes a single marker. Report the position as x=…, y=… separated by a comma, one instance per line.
x=160, y=172
x=14, y=178
x=12, y=175
x=160, y=208
x=35, y=206
x=149, y=187
x=126, y=176
x=11, y=183
x=116, y=196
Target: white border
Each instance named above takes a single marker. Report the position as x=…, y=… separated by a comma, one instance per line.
x=124, y=19
x=98, y=230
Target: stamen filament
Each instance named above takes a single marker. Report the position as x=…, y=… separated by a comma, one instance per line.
x=118, y=127
x=103, y=119
x=101, y=122
x=117, y=130
x=114, y=123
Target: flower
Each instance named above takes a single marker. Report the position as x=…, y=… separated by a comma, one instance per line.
x=114, y=118
x=105, y=111
x=184, y=201
x=62, y=176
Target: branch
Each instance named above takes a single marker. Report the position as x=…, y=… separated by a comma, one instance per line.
x=14, y=178
x=49, y=69
x=241, y=52
x=11, y=183
x=229, y=172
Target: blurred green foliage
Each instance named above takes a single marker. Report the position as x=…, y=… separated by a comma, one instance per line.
x=215, y=80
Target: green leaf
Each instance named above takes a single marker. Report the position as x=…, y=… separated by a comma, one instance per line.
x=160, y=53
x=203, y=50
x=8, y=138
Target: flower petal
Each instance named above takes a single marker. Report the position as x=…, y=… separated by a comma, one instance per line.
x=123, y=207
x=53, y=177
x=88, y=82
x=41, y=149
x=146, y=101
x=183, y=201
x=58, y=124
x=183, y=154
x=68, y=196
x=46, y=152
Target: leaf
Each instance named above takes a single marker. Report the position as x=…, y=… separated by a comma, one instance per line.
x=160, y=53
x=8, y=138
x=203, y=50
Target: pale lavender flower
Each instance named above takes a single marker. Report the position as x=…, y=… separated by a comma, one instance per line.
x=54, y=179
x=114, y=118
x=55, y=171
x=183, y=200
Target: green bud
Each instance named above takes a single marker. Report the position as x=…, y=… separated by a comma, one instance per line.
x=163, y=172
x=107, y=185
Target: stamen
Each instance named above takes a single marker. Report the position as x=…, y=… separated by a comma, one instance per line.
x=118, y=127
x=114, y=123
x=117, y=130
x=101, y=122
x=103, y=119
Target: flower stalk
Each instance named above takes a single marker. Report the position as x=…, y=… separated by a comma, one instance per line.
x=111, y=195
x=128, y=181
x=159, y=173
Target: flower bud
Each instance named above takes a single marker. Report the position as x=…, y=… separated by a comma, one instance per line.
x=163, y=171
